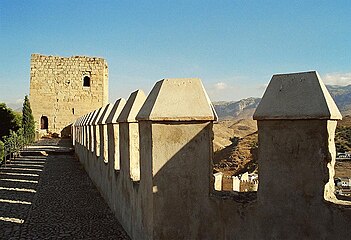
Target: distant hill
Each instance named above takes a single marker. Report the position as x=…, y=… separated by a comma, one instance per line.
x=244, y=109
x=342, y=97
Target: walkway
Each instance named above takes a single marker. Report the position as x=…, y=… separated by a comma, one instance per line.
x=46, y=194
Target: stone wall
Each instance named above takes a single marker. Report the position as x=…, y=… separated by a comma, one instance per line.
x=57, y=89
x=155, y=168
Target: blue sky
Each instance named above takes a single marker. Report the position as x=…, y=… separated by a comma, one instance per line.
x=233, y=46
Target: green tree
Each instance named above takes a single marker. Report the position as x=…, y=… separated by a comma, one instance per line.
x=8, y=121
x=28, y=124
x=1, y=151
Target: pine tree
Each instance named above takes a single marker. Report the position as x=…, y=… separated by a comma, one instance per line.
x=28, y=124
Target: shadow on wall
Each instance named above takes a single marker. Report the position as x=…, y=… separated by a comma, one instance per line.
x=181, y=181
x=66, y=132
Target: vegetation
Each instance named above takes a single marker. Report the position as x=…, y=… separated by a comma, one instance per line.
x=1, y=151
x=9, y=121
x=343, y=135
x=13, y=143
x=28, y=124
x=343, y=139
x=16, y=130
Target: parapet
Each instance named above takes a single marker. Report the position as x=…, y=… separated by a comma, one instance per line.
x=297, y=96
x=37, y=56
x=116, y=110
x=132, y=107
x=96, y=117
x=105, y=113
x=153, y=164
x=175, y=100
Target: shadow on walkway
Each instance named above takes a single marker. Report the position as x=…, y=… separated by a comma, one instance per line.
x=46, y=194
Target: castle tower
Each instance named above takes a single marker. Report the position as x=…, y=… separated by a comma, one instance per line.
x=63, y=89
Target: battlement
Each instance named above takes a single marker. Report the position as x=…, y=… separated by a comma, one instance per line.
x=151, y=159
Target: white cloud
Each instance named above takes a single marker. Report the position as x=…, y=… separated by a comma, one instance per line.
x=222, y=91
x=220, y=86
x=337, y=78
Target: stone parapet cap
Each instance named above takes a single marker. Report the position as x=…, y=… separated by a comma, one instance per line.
x=132, y=107
x=116, y=111
x=87, y=118
x=92, y=117
x=182, y=99
x=80, y=120
x=81, y=123
x=96, y=117
x=76, y=122
x=297, y=96
x=105, y=113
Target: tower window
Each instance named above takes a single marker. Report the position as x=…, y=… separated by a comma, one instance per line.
x=86, y=81
x=73, y=111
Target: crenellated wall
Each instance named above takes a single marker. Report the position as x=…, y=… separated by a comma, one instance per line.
x=151, y=159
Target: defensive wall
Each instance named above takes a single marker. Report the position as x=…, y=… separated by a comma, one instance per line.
x=151, y=159
x=63, y=89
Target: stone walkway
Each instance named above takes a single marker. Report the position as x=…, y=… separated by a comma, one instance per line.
x=46, y=194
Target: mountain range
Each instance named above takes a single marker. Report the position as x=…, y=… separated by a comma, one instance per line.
x=244, y=109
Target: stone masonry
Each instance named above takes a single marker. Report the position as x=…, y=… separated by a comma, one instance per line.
x=63, y=89
x=156, y=174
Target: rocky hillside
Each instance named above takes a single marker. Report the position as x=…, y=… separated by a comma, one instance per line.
x=343, y=135
x=236, y=109
x=342, y=97
x=245, y=108
x=237, y=157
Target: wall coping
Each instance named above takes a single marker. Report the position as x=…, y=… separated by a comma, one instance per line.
x=177, y=99
x=105, y=113
x=96, y=117
x=132, y=107
x=297, y=96
x=116, y=111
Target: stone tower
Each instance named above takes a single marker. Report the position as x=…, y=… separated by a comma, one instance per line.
x=63, y=89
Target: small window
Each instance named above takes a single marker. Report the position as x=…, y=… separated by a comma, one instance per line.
x=73, y=111
x=86, y=81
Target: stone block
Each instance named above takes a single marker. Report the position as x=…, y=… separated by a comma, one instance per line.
x=174, y=100
x=297, y=96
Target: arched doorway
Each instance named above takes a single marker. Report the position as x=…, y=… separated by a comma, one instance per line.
x=44, y=123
